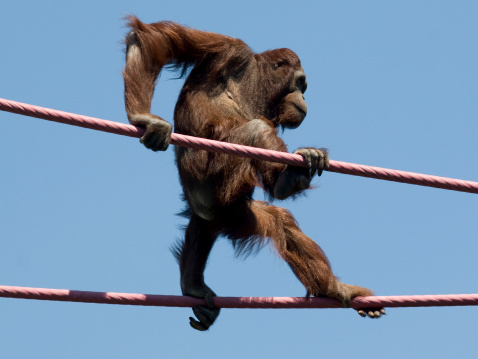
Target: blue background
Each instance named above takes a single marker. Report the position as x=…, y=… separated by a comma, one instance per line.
x=391, y=84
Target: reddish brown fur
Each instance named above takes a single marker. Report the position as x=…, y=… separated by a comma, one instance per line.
x=234, y=95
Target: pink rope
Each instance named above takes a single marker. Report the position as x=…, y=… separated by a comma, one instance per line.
x=245, y=151
x=65, y=295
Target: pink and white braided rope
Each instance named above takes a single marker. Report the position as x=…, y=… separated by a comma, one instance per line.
x=239, y=150
x=65, y=295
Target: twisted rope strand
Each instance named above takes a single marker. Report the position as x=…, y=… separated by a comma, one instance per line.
x=65, y=295
x=234, y=149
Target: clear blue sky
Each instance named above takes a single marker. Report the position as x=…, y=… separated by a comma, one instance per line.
x=391, y=84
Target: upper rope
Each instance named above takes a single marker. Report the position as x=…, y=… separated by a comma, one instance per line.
x=240, y=150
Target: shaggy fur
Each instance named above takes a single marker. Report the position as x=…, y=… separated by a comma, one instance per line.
x=231, y=94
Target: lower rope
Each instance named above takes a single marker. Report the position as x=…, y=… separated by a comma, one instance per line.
x=65, y=295
x=239, y=150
